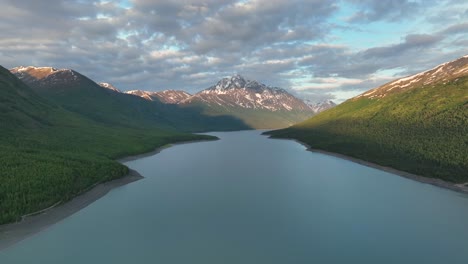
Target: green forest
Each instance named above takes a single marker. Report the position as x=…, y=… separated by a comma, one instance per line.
x=423, y=130
x=49, y=154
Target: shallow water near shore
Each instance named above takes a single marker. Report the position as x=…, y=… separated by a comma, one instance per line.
x=249, y=199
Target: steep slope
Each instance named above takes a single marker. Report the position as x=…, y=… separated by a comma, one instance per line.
x=256, y=104
x=442, y=73
x=79, y=94
x=19, y=106
x=49, y=154
x=417, y=124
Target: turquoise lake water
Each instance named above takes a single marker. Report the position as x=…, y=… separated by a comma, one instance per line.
x=250, y=199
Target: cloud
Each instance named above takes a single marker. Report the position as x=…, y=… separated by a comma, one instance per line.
x=189, y=45
x=411, y=43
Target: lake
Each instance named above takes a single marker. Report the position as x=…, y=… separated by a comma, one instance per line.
x=249, y=199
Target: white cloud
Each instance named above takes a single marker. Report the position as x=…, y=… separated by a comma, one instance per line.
x=163, y=44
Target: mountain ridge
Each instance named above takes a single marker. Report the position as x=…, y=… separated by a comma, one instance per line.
x=80, y=94
x=165, y=96
x=441, y=72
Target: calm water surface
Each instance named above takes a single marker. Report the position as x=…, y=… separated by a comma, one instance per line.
x=250, y=199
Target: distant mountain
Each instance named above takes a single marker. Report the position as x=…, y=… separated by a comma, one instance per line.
x=81, y=95
x=109, y=86
x=166, y=96
x=256, y=104
x=236, y=92
x=417, y=124
x=321, y=106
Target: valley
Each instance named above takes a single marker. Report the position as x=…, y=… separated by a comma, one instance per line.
x=233, y=132
x=64, y=131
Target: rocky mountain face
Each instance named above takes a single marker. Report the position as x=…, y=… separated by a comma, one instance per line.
x=441, y=73
x=236, y=92
x=166, y=96
x=256, y=104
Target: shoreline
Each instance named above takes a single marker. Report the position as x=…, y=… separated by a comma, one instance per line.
x=36, y=222
x=461, y=188
x=159, y=149
x=13, y=233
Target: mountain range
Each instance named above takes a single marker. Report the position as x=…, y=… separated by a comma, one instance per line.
x=166, y=96
x=61, y=131
x=256, y=104
x=233, y=103
x=105, y=103
x=417, y=124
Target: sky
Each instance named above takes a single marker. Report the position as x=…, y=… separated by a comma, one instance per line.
x=317, y=50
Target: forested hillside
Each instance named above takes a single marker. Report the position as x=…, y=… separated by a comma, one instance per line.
x=418, y=125
x=49, y=154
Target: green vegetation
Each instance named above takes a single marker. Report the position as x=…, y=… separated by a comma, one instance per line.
x=49, y=154
x=423, y=130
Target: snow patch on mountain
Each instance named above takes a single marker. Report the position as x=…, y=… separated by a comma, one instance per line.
x=442, y=72
x=238, y=92
x=44, y=75
x=166, y=96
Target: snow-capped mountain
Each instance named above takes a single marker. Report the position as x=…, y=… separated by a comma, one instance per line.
x=442, y=72
x=249, y=103
x=256, y=104
x=44, y=76
x=321, y=106
x=109, y=86
x=143, y=94
x=166, y=96
x=237, y=92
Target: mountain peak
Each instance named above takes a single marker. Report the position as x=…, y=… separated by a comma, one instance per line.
x=36, y=72
x=238, y=93
x=27, y=68
x=48, y=77
x=235, y=81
